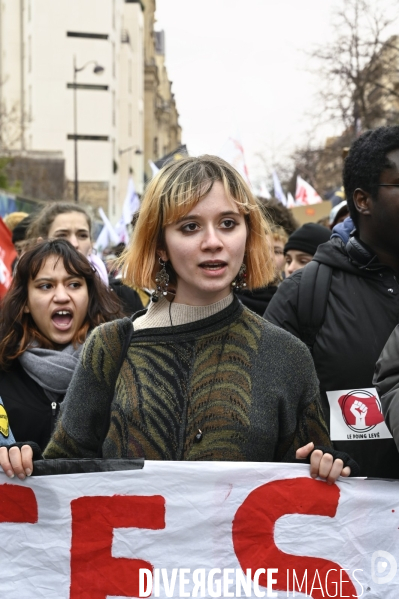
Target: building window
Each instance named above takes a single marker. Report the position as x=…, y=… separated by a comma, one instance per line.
x=160, y=42
x=92, y=86
x=88, y=137
x=125, y=37
x=129, y=77
x=97, y=36
x=29, y=54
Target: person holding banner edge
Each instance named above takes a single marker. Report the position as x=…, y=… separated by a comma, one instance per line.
x=54, y=300
x=201, y=376
x=352, y=287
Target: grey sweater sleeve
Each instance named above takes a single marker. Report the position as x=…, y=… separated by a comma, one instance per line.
x=286, y=384
x=386, y=381
x=310, y=423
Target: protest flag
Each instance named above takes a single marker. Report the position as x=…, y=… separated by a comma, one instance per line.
x=154, y=168
x=108, y=235
x=305, y=194
x=264, y=192
x=7, y=257
x=233, y=153
x=176, y=154
x=130, y=206
x=278, y=190
x=131, y=203
x=290, y=200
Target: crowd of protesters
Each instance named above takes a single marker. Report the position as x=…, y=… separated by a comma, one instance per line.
x=254, y=329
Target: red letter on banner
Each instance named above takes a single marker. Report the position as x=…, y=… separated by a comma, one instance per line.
x=17, y=504
x=94, y=572
x=253, y=532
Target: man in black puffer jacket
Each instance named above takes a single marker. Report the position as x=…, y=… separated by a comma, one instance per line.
x=358, y=299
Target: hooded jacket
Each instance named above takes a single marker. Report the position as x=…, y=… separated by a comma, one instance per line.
x=362, y=310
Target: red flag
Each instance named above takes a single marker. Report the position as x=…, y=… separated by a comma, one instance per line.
x=7, y=257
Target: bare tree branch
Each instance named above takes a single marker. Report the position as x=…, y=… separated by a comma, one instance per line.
x=358, y=59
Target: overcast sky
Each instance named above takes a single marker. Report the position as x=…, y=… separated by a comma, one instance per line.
x=241, y=65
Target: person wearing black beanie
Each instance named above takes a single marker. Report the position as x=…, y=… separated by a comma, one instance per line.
x=302, y=245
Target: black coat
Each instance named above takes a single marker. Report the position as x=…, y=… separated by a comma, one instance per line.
x=386, y=380
x=130, y=299
x=29, y=414
x=362, y=311
x=257, y=300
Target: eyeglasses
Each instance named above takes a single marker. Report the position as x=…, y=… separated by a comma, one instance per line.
x=388, y=185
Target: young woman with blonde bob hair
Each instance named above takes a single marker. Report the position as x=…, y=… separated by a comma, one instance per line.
x=198, y=376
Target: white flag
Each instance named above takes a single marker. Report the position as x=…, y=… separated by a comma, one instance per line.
x=278, y=190
x=108, y=235
x=264, y=192
x=130, y=205
x=102, y=241
x=290, y=200
x=154, y=168
x=233, y=153
x=305, y=193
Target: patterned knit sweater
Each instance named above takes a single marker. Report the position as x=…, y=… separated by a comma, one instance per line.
x=257, y=400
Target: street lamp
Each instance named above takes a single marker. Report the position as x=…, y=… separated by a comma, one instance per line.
x=97, y=70
x=137, y=149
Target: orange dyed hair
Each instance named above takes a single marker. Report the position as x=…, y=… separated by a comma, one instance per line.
x=171, y=194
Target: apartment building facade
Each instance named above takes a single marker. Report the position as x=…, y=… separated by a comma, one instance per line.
x=73, y=74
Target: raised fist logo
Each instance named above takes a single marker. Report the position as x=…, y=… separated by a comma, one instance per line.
x=361, y=410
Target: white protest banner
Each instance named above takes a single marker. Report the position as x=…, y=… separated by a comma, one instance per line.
x=197, y=529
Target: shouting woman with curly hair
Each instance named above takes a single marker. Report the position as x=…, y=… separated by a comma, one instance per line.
x=54, y=301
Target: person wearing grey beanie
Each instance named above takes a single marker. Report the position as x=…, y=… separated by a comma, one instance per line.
x=302, y=245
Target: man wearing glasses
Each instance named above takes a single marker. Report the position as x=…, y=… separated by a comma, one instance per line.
x=345, y=303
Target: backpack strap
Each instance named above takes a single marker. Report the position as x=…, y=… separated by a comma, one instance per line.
x=107, y=419
x=314, y=288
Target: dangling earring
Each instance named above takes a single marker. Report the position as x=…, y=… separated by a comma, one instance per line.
x=162, y=281
x=239, y=281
